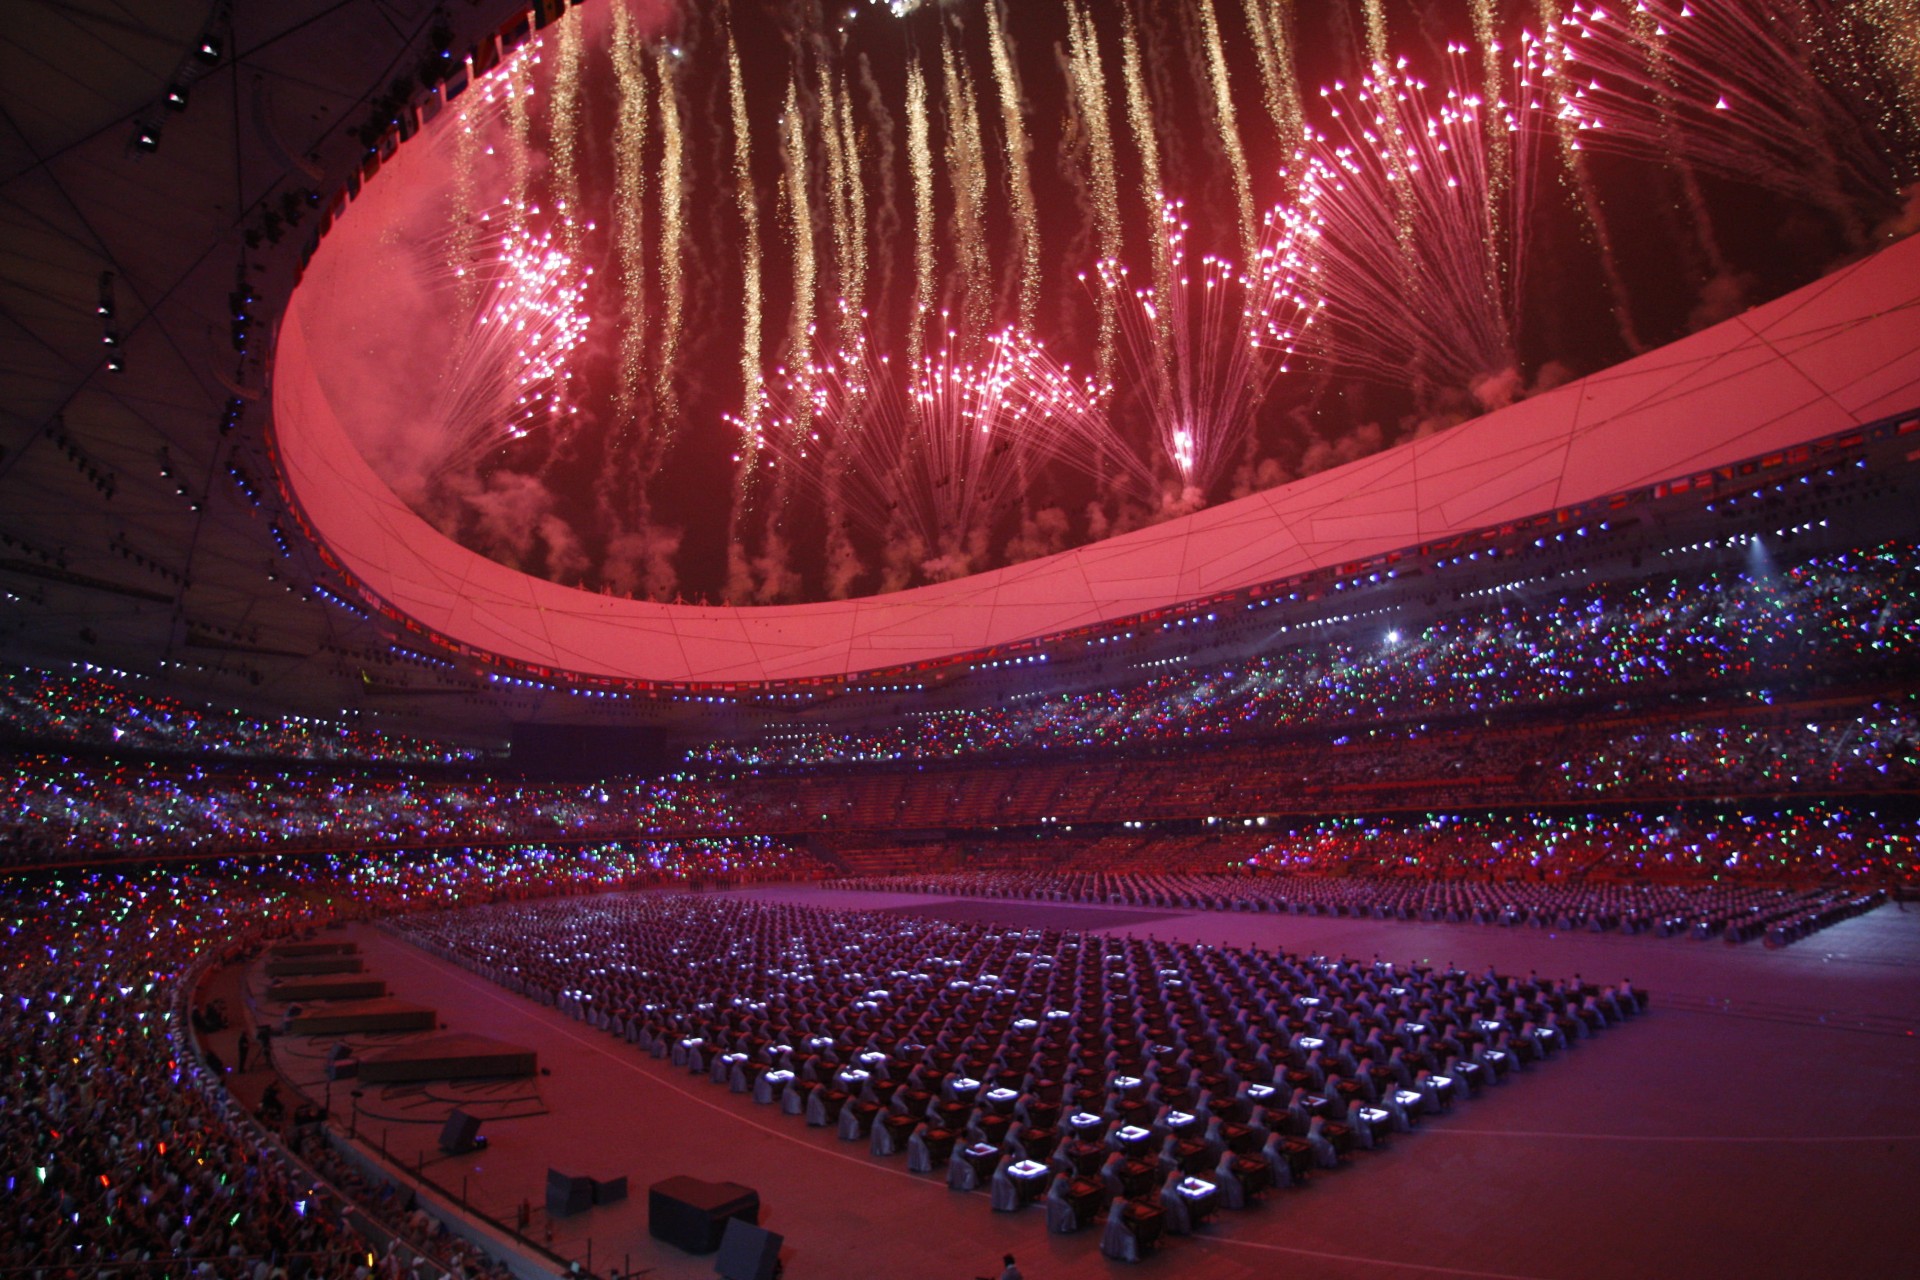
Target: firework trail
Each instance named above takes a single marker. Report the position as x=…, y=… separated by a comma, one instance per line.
x=846, y=191
x=920, y=161
x=518, y=87
x=1414, y=190
x=463, y=204
x=1773, y=94
x=1270, y=26
x=967, y=163
x=674, y=245
x=1089, y=84
x=752, y=290
x=563, y=136
x=1147, y=145
x=1568, y=132
x=798, y=218
x=1026, y=220
x=1493, y=80
x=508, y=373
x=885, y=208
x=1228, y=124
x=1198, y=349
x=629, y=210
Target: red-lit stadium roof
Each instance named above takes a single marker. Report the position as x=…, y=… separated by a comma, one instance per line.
x=1837, y=353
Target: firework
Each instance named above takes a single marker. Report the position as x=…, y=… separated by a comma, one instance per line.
x=1204, y=350
x=749, y=210
x=1406, y=228
x=932, y=449
x=629, y=209
x=673, y=233
x=1088, y=80
x=1228, y=125
x=1776, y=94
x=1026, y=220
x=1270, y=26
x=509, y=372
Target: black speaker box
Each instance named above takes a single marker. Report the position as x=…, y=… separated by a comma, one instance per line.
x=567, y=1195
x=693, y=1215
x=748, y=1252
x=457, y=1135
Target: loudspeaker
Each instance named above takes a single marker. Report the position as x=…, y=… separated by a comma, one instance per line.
x=457, y=1135
x=748, y=1252
x=567, y=1195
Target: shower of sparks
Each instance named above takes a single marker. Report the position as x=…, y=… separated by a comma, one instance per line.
x=1773, y=93
x=509, y=373
x=1202, y=350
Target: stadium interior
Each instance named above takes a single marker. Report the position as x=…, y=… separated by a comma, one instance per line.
x=1487, y=854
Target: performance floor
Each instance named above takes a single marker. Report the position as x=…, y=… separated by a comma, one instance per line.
x=1762, y=1120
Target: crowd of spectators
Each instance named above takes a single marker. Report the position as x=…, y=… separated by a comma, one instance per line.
x=122, y=1153
x=1823, y=617
x=71, y=807
x=75, y=806
x=83, y=707
x=1804, y=844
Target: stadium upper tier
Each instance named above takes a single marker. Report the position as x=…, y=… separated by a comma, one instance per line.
x=1831, y=357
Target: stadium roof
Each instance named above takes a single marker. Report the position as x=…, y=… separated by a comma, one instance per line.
x=1840, y=352
x=140, y=531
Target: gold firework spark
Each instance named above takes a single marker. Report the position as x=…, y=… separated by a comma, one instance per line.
x=920, y=160
x=799, y=226
x=563, y=136
x=1270, y=24
x=1229, y=127
x=1026, y=222
x=629, y=206
x=1089, y=82
x=753, y=401
x=967, y=163
x=1146, y=143
x=673, y=229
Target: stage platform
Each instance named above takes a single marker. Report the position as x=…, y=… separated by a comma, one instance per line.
x=347, y=1017
x=454, y=1056
x=308, y=966
x=324, y=988
x=1676, y=1127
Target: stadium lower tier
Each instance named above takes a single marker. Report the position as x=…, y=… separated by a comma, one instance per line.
x=1825, y=744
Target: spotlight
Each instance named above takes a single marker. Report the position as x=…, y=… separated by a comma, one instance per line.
x=146, y=138
x=116, y=363
x=176, y=97
x=209, y=50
